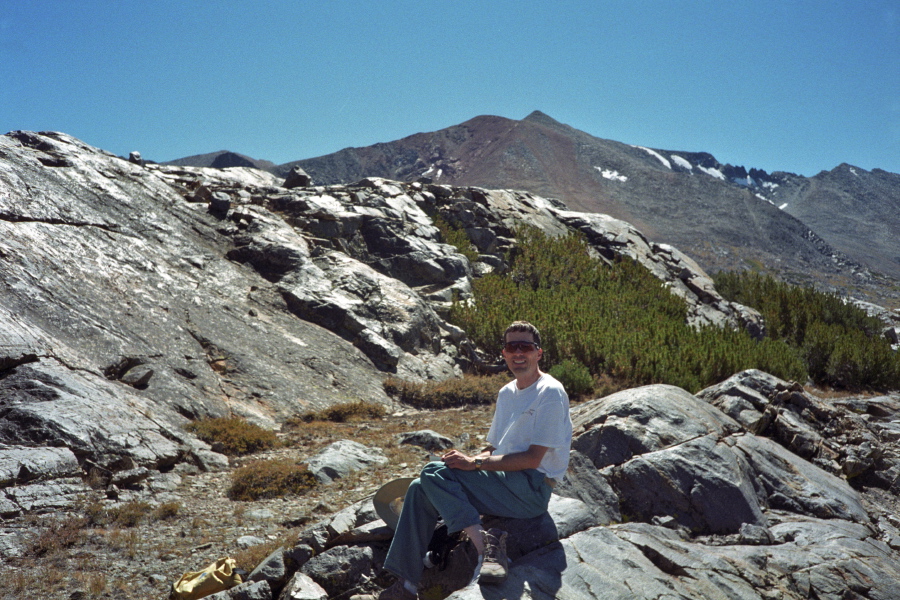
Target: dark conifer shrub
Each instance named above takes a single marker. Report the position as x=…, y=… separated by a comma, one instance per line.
x=841, y=345
x=617, y=319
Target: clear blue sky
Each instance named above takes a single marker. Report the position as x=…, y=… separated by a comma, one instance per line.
x=796, y=85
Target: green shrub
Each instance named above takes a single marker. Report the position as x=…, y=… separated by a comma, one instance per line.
x=470, y=389
x=233, y=436
x=270, y=479
x=456, y=237
x=344, y=412
x=841, y=345
x=574, y=376
x=617, y=319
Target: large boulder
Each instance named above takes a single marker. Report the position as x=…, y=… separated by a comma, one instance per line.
x=343, y=457
x=665, y=452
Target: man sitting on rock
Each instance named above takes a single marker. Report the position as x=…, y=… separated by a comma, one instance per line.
x=528, y=452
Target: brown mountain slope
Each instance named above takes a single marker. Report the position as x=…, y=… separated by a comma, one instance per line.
x=685, y=199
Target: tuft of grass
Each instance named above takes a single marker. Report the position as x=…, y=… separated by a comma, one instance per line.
x=345, y=412
x=233, y=436
x=94, y=582
x=58, y=535
x=128, y=514
x=250, y=558
x=166, y=510
x=270, y=479
x=126, y=541
x=468, y=390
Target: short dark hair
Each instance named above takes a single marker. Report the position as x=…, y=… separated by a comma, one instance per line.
x=526, y=327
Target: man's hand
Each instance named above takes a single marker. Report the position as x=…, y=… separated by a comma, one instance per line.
x=457, y=460
x=517, y=461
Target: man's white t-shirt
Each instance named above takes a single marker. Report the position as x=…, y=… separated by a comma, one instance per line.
x=536, y=416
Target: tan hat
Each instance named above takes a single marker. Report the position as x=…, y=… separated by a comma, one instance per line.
x=388, y=500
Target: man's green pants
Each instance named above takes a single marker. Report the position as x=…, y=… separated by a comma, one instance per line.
x=460, y=498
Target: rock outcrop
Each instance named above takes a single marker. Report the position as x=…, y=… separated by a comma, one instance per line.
x=668, y=496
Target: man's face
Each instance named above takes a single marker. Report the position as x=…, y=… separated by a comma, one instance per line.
x=522, y=359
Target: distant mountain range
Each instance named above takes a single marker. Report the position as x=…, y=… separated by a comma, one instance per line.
x=840, y=228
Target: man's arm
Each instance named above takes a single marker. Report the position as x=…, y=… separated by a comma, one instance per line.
x=516, y=461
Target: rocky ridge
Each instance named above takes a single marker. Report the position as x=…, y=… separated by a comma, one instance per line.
x=804, y=229
x=135, y=297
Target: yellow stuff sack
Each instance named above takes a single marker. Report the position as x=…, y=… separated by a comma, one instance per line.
x=217, y=577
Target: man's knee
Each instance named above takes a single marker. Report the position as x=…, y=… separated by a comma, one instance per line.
x=433, y=473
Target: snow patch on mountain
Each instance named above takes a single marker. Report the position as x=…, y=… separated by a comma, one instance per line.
x=682, y=162
x=712, y=172
x=432, y=169
x=662, y=159
x=612, y=175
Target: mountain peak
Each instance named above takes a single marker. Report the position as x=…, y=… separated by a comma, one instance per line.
x=539, y=117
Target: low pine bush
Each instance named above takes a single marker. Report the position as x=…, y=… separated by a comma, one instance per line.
x=841, y=345
x=233, y=436
x=617, y=319
x=270, y=479
x=575, y=377
x=456, y=237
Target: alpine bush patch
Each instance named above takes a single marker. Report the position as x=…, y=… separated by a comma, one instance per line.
x=616, y=319
x=841, y=345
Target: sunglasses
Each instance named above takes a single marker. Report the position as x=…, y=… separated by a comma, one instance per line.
x=525, y=347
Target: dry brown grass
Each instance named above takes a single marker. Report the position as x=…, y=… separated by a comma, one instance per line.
x=250, y=558
x=232, y=435
x=470, y=390
x=58, y=535
x=346, y=412
x=263, y=479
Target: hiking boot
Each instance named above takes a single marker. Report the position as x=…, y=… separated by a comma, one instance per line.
x=495, y=565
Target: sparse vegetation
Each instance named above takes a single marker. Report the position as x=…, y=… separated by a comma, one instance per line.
x=618, y=320
x=233, y=436
x=345, y=412
x=469, y=390
x=270, y=479
x=840, y=344
x=249, y=558
x=58, y=535
x=127, y=514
